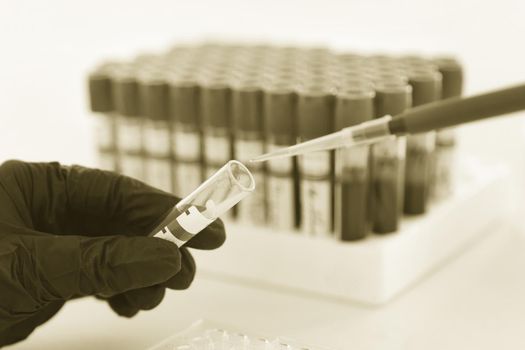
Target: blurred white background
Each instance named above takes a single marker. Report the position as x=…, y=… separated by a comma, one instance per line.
x=48, y=47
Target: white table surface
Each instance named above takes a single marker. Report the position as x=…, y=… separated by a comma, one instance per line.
x=475, y=301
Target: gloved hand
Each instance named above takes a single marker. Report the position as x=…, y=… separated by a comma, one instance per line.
x=68, y=232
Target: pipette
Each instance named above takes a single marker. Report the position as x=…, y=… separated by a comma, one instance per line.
x=432, y=116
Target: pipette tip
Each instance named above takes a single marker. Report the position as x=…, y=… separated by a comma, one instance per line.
x=261, y=158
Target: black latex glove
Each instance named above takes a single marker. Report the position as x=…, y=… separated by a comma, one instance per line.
x=67, y=232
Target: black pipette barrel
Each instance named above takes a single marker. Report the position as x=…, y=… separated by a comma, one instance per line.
x=455, y=111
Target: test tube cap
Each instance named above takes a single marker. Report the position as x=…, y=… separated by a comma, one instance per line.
x=126, y=92
x=452, y=73
x=100, y=94
x=247, y=106
x=354, y=106
x=426, y=86
x=279, y=102
x=315, y=111
x=215, y=103
x=392, y=97
x=154, y=95
x=184, y=101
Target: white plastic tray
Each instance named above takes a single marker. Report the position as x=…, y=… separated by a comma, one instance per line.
x=374, y=270
x=200, y=328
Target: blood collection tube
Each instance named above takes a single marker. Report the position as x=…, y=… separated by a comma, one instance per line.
x=186, y=134
x=353, y=106
x=128, y=121
x=216, y=123
x=388, y=160
x=452, y=86
x=249, y=142
x=282, y=191
x=156, y=129
x=101, y=103
x=214, y=197
x=315, y=107
x=426, y=87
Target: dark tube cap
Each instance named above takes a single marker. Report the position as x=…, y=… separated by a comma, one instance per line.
x=247, y=106
x=215, y=104
x=100, y=94
x=452, y=73
x=279, y=111
x=184, y=101
x=315, y=112
x=392, y=98
x=354, y=106
x=426, y=86
x=154, y=95
x=126, y=92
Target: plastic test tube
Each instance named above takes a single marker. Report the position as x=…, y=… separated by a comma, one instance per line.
x=352, y=106
x=282, y=193
x=426, y=88
x=452, y=74
x=101, y=103
x=249, y=142
x=128, y=122
x=186, y=135
x=388, y=160
x=156, y=129
x=315, y=119
x=214, y=197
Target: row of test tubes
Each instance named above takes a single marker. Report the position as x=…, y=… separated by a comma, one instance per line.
x=173, y=118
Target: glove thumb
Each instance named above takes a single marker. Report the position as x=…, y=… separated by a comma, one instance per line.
x=71, y=266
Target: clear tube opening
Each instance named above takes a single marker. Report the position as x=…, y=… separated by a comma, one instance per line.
x=240, y=174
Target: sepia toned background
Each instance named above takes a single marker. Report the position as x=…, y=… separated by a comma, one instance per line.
x=48, y=47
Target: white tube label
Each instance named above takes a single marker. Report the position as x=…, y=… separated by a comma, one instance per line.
x=422, y=142
x=355, y=157
x=247, y=149
x=104, y=129
x=217, y=149
x=316, y=207
x=316, y=194
x=167, y=235
x=386, y=149
x=193, y=221
x=157, y=138
x=252, y=210
x=129, y=134
x=280, y=165
x=187, y=177
x=158, y=173
x=186, y=146
x=280, y=192
x=281, y=202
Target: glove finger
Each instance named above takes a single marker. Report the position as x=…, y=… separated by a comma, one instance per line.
x=77, y=200
x=21, y=330
x=211, y=237
x=121, y=306
x=184, y=278
x=77, y=266
x=145, y=298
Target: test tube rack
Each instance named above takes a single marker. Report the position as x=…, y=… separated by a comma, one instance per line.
x=371, y=271
x=173, y=118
